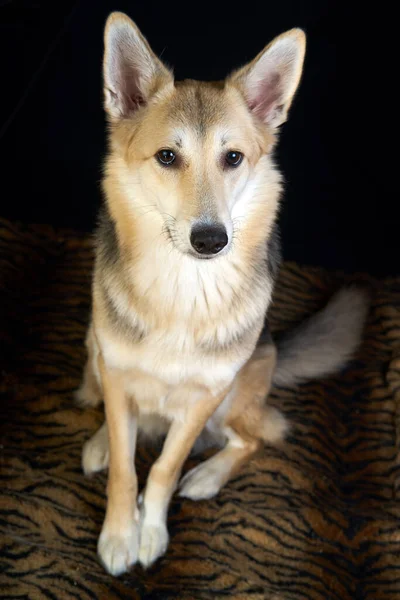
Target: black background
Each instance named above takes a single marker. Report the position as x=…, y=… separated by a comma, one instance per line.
x=338, y=209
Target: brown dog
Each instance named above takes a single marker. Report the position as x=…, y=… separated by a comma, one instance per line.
x=183, y=278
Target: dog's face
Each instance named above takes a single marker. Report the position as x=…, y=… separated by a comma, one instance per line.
x=194, y=154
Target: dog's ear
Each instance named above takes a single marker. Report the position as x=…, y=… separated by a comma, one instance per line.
x=270, y=81
x=132, y=72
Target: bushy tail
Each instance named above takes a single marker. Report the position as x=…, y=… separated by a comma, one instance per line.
x=323, y=344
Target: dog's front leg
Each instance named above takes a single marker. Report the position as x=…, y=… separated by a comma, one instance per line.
x=164, y=474
x=118, y=542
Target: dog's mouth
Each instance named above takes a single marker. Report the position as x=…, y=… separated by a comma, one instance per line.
x=198, y=256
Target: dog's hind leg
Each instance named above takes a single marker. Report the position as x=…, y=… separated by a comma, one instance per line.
x=90, y=393
x=206, y=480
x=95, y=454
x=247, y=424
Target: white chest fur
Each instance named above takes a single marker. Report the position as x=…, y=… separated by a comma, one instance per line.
x=206, y=305
x=168, y=359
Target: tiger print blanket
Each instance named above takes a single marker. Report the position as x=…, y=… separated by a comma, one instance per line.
x=316, y=519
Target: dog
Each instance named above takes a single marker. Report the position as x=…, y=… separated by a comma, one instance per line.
x=186, y=257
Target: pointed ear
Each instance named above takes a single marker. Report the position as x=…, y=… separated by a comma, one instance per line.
x=270, y=81
x=132, y=72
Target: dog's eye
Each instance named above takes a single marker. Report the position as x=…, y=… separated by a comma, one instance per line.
x=233, y=158
x=166, y=157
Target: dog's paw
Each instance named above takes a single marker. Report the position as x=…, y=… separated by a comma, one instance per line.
x=95, y=455
x=118, y=552
x=86, y=397
x=200, y=483
x=153, y=542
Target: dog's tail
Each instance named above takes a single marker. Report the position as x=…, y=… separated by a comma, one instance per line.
x=323, y=344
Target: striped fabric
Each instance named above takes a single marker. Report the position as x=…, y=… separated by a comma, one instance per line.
x=315, y=519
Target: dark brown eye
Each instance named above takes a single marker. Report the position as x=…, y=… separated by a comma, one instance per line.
x=233, y=158
x=166, y=157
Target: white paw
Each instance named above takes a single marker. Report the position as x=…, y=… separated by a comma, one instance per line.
x=95, y=455
x=200, y=483
x=153, y=542
x=86, y=397
x=118, y=552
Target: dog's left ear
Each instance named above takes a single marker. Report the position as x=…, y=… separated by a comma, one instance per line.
x=270, y=81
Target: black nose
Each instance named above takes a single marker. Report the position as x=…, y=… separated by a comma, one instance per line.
x=208, y=239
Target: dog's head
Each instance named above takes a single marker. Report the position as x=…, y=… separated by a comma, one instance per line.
x=195, y=155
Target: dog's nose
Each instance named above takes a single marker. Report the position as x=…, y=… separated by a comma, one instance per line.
x=208, y=239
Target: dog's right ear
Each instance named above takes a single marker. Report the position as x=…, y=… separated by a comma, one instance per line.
x=132, y=72
x=270, y=81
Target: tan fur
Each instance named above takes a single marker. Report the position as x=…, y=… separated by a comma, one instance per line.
x=247, y=423
x=90, y=393
x=171, y=333
x=122, y=518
